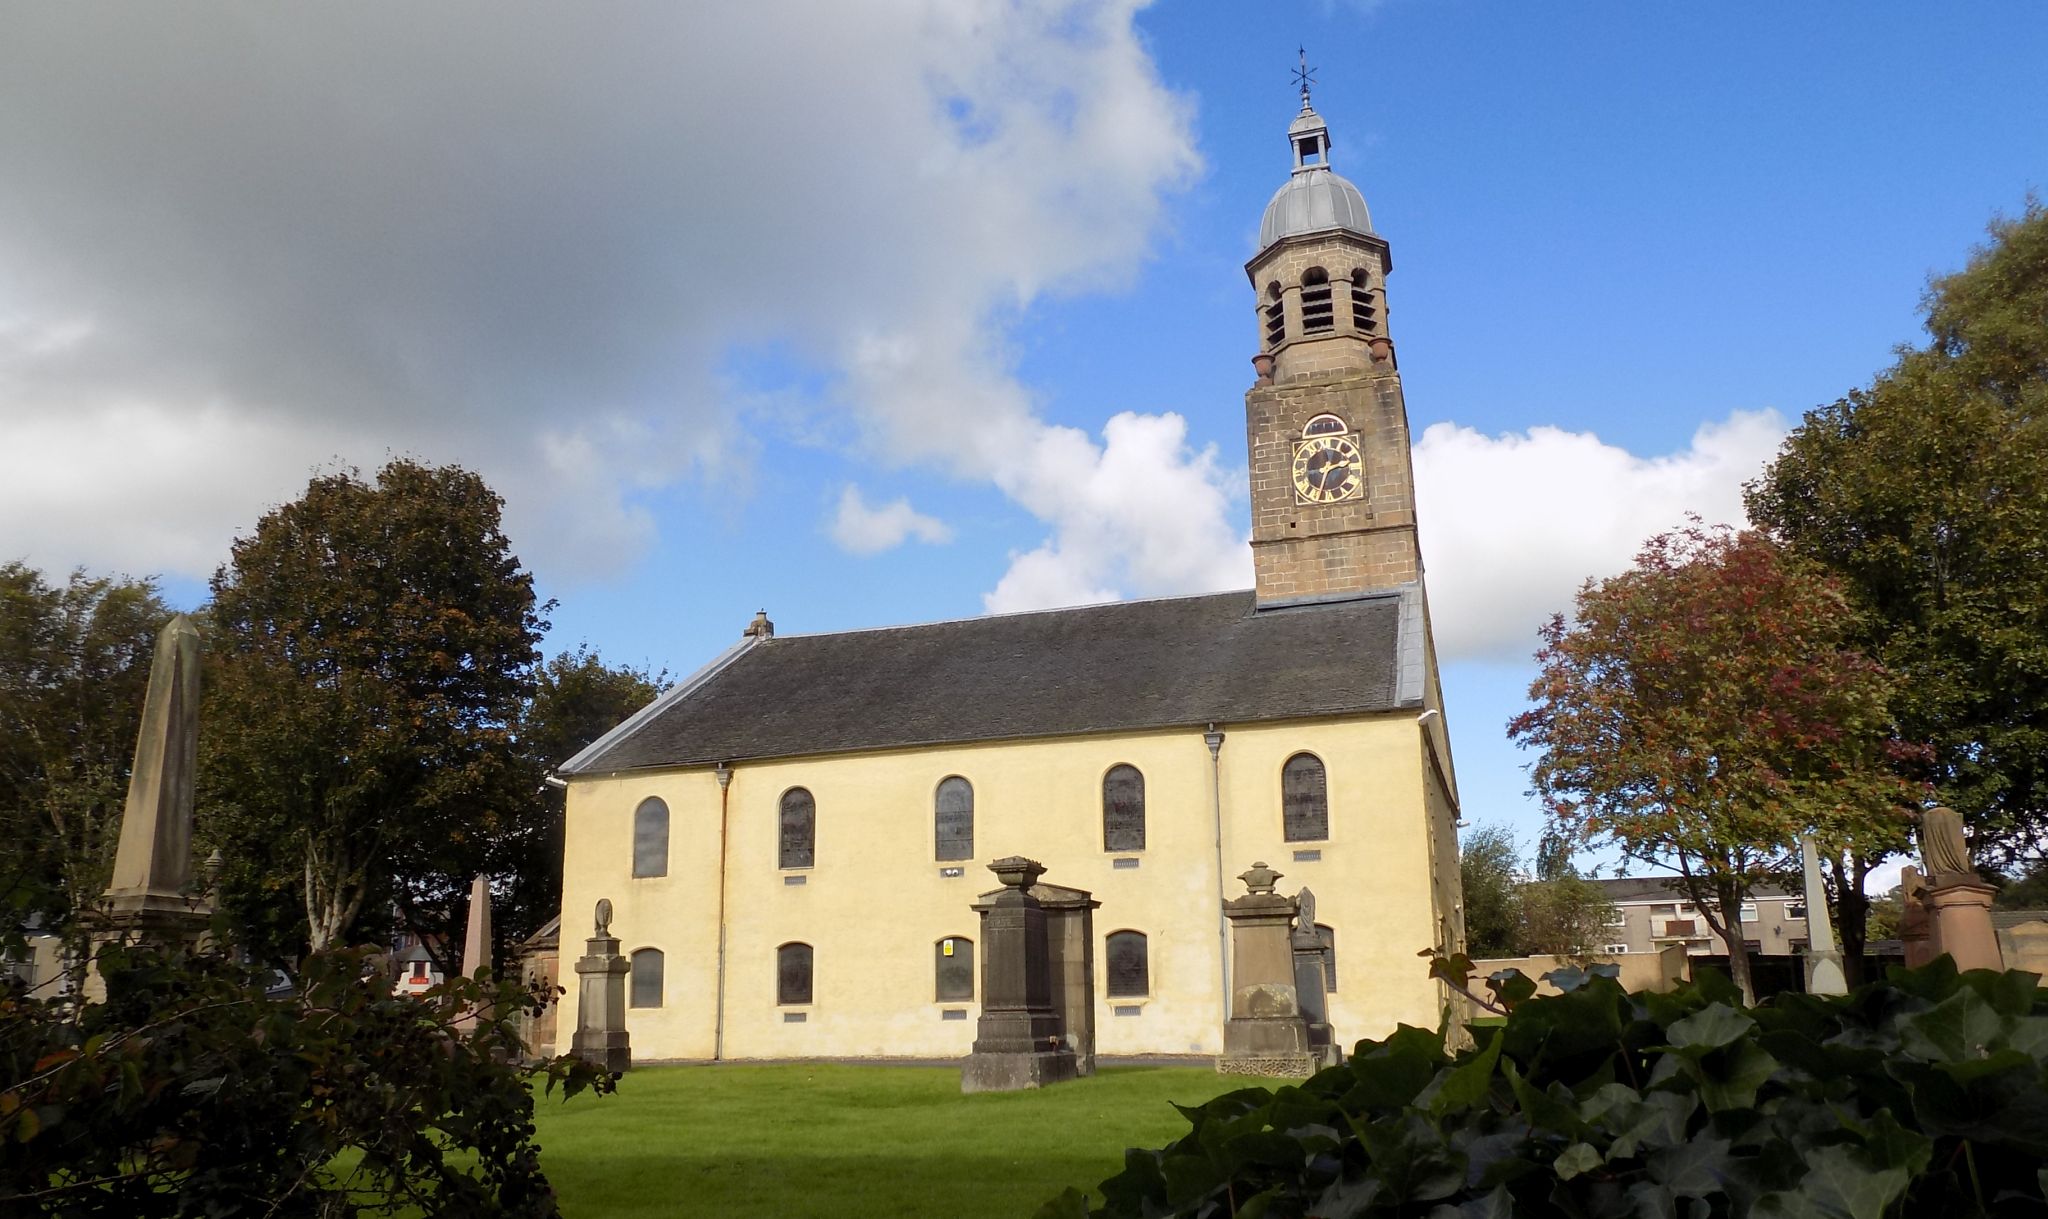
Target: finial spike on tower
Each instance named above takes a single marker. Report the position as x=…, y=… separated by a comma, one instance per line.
x=1304, y=76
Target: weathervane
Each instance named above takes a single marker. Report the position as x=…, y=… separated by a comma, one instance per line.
x=1304, y=76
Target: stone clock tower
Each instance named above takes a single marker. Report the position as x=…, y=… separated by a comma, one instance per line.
x=1333, y=491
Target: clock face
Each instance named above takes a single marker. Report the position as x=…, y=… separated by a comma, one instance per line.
x=1328, y=469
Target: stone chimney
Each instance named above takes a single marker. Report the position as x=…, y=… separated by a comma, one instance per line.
x=760, y=627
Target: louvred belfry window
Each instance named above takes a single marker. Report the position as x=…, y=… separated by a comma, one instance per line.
x=1363, y=315
x=793, y=974
x=1304, y=799
x=1123, y=809
x=1127, y=964
x=1318, y=311
x=799, y=822
x=953, y=819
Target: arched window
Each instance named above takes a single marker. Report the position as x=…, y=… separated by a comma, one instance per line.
x=1329, y=939
x=953, y=819
x=1130, y=970
x=1318, y=312
x=1363, y=316
x=953, y=969
x=1304, y=799
x=1123, y=809
x=799, y=829
x=645, y=988
x=1275, y=312
x=793, y=974
x=650, y=838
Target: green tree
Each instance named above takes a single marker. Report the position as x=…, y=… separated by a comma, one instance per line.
x=192, y=1091
x=373, y=648
x=1703, y=710
x=1490, y=868
x=1564, y=916
x=74, y=665
x=1927, y=493
x=577, y=698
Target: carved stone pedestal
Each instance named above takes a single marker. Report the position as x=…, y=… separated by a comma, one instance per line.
x=601, y=972
x=1266, y=1033
x=1961, y=914
x=1018, y=1041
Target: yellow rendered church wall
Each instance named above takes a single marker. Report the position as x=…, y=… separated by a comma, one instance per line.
x=875, y=905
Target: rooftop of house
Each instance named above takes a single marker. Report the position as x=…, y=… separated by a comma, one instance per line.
x=1125, y=666
x=1664, y=889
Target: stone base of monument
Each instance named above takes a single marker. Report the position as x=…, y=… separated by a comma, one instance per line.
x=612, y=1051
x=1014, y=1072
x=1254, y=1045
x=1824, y=974
x=168, y=923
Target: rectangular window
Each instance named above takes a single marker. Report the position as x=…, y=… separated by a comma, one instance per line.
x=1615, y=949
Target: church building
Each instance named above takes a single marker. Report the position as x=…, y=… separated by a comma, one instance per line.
x=792, y=838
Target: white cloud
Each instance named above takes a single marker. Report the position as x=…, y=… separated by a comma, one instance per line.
x=1141, y=513
x=1513, y=524
x=526, y=240
x=860, y=529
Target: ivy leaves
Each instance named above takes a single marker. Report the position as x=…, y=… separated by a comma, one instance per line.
x=1926, y=1094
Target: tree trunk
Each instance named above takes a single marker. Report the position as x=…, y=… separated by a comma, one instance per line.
x=1852, y=913
x=1729, y=927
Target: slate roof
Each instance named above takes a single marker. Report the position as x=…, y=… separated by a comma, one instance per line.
x=1102, y=668
x=1665, y=889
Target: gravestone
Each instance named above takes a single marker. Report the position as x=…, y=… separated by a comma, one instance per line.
x=1266, y=1033
x=1957, y=900
x=1070, y=963
x=601, y=999
x=151, y=898
x=1019, y=1041
x=1311, y=984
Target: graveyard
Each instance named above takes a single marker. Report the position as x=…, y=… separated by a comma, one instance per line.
x=796, y=1140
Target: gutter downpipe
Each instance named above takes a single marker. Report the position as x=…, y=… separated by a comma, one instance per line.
x=1214, y=740
x=724, y=775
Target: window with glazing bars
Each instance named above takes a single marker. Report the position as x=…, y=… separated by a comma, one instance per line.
x=953, y=969
x=1304, y=799
x=793, y=974
x=1125, y=960
x=644, y=985
x=650, y=838
x=1123, y=809
x=799, y=817
x=953, y=819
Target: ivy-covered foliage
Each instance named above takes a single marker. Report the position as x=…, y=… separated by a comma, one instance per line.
x=1923, y=1095
x=192, y=1092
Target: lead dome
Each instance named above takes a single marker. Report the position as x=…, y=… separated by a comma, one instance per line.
x=1315, y=198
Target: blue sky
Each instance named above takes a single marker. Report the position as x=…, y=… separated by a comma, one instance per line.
x=707, y=295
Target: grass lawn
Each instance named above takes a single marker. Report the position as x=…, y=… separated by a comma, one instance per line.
x=795, y=1140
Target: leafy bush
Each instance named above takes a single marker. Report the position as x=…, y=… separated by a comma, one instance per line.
x=1923, y=1095
x=192, y=1092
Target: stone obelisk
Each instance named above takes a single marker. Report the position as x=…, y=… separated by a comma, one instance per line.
x=151, y=899
x=1823, y=959
x=476, y=945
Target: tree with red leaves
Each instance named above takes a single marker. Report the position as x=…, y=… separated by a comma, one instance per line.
x=1703, y=710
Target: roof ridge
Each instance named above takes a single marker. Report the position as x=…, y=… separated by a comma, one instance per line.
x=1051, y=609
